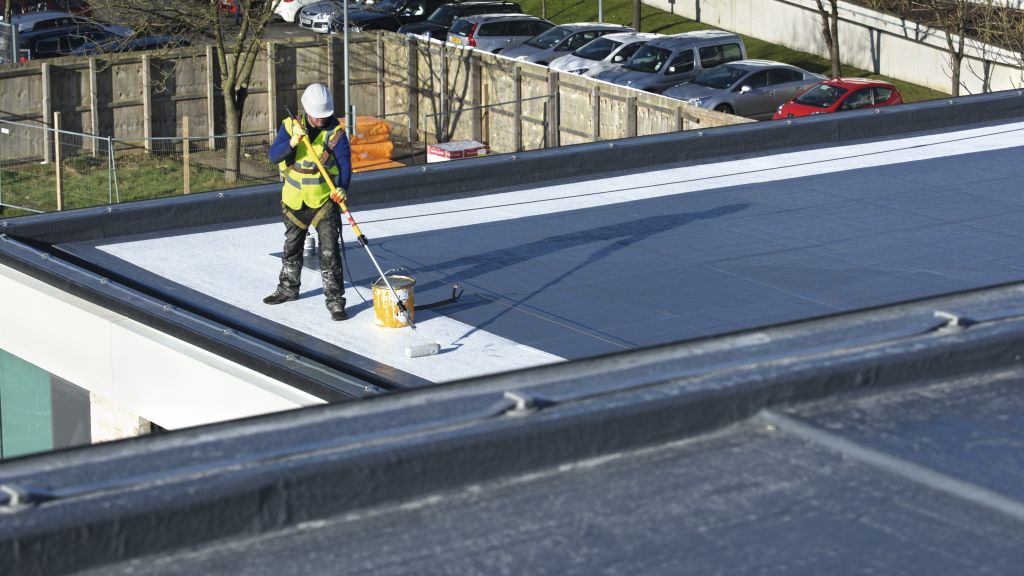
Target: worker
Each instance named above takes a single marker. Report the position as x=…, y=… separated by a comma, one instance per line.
x=307, y=200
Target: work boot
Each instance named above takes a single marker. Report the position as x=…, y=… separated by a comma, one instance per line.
x=279, y=296
x=337, y=310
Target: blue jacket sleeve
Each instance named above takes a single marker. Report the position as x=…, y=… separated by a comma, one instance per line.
x=280, y=149
x=343, y=156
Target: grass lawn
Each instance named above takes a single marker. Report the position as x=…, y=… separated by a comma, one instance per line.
x=653, y=20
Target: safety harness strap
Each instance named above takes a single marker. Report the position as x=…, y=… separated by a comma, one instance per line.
x=316, y=218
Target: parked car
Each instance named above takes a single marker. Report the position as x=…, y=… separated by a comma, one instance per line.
x=604, y=53
x=389, y=15
x=496, y=32
x=321, y=16
x=288, y=10
x=667, y=61
x=841, y=94
x=437, y=24
x=59, y=19
x=753, y=88
x=63, y=41
x=561, y=40
x=93, y=48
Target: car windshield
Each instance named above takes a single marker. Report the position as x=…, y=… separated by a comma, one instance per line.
x=720, y=77
x=648, y=59
x=598, y=49
x=822, y=95
x=389, y=6
x=443, y=16
x=548, y=39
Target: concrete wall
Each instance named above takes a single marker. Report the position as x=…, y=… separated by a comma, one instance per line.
x=870, y=40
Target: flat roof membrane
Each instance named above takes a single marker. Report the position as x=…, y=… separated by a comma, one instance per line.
x=602, y=265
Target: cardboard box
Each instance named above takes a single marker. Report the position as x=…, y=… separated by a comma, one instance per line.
x=456, y=149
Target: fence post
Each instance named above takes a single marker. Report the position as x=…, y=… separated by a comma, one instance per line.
x=595, y=98
x=56, y=161
x=475, y=91
x=554, y=129
x=381, y=90
x=211, y=67
x=94, y=108
x=412, y=78
x=184, y=154
x=272, y=85
x=517, y=109
x=330, y=67
x=147, y=103
x=47, y=106
x=680, y=126
x=630, y=116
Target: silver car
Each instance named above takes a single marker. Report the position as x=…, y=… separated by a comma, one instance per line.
x=496, y=32
x=604, y=53
x=322, y=15
x=752, y=88
x=669, y=60
x=561, y=40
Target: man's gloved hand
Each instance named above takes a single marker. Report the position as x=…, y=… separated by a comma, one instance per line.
x=298, y=131
x=338, y=195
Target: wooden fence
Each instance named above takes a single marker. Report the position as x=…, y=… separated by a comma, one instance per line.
x=428, y=91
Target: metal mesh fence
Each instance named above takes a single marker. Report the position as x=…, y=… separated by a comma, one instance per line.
x=8, y=44
x=43, y=169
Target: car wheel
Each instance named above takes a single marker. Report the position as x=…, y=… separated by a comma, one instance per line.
x=496, y=50
x=542, y=63
x=724, y=108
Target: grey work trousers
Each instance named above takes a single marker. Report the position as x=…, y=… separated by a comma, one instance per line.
x=328, y=233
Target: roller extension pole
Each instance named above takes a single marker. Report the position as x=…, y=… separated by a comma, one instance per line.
x=426, y=349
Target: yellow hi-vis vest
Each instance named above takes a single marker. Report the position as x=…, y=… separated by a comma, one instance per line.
x=303, y=182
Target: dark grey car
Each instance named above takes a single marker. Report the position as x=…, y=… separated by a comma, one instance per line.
x=665, y=62
x=753, y=88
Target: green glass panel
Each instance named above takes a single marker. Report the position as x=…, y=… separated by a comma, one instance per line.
x=26, y=423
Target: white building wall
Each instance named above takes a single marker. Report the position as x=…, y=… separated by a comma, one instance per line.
x=868, y=40
x=142, y=371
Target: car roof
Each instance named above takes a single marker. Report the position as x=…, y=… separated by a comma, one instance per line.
x=753, y=64
x=37, y=16
x=688, y=38
x=857, y=82
x=628, y=36
x=576, y=26
x=498, y=16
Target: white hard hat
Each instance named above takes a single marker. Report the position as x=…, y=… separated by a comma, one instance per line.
x=317, y=101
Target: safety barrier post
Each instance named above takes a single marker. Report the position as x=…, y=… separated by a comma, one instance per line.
x=184, y=154
x=595, y=99
x=57, y=163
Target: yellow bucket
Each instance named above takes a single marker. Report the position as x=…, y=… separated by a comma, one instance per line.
x=385, y=310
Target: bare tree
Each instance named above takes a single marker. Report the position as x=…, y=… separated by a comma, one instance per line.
x=830, y=33
x=235, y=28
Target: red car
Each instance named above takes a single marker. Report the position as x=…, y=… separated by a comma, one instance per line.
x=840, y=94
